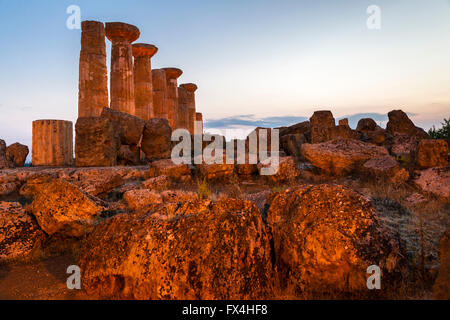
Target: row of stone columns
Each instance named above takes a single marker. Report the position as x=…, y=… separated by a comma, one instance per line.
x=135, y=89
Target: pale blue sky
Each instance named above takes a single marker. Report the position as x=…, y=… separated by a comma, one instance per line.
x=267, y=58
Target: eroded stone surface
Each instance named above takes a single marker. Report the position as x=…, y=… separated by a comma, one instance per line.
x=386, y=169
x=435, y=181
x=19, y=232
x=17, y=153
x=400, y=123
x=325, y=237
x=156, y=141
x=341, y=156
x=96, y=143
x=441, y=287
x=218, y=251
x=61, y=207
x=432, y=153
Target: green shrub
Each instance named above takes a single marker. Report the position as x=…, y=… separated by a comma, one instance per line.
x=442, y=133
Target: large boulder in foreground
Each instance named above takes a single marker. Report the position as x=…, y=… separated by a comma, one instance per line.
x=341, y=156
x=441, y=289
x=212, y=252
x=435, y=181
x=322, y=125
x=400, y=123
x=17, y=153
x=19, y=233
x=96, y=143
x=432, y=153
x=325, y=237
x=61, y=207
x=156, y=141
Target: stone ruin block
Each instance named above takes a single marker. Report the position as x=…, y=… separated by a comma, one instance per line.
x=96, y=143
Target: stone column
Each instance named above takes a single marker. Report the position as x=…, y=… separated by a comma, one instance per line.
x=191, y=88
x=93, y=73
x=121, y=36
x=198, y=123
x=52, y=143
x=160, y=94
x=182, y=113
x=143, y=83
x=172, y=74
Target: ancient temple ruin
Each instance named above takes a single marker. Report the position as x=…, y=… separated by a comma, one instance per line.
x=138, y=94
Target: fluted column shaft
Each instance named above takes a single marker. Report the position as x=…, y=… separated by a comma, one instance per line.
x=160, y=107
x=93, y=72
x=121, y=36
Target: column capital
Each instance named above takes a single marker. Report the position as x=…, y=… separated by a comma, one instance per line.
x=190, y=87
x=120, y=30
x=144, y=50
x=173, y=73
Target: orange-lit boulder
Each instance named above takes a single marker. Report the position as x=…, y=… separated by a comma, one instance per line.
x=176, y=172
x=325, y=237
x=400, y=123
x=287, y=170
x=157, y=184
x=217, y=251
x=385, y=169
x=156, y=141
x=435, y=181
x=61, y=207
x=5, y=163
x=341, y=156
x=141, y=199
x=17, y=153
x=432, y=153
x=19, y=232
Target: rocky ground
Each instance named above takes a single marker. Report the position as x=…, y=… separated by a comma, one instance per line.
x=342, y=200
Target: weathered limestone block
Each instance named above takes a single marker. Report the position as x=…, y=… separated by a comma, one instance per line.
x=292, y=145
x=97, y=181
x=159, y=183
x=141, y=199
x=172, y=74
x=183, y=112
x=325, y=237
x=366, y=124
x=127, y=157
x=385, y=168
x=432, y=153
x=156, y=142
x=61, y=207
x=93, y=76
x=435, y=181
x=202, y=251
x=52, y=143
x=143, y=82
x=5, y=163
x=19, y=232
x=96, y=143
x=17, y=153
x=198, y=127
x=340, y=157
x=400, y=123
x=130, y=128
x=121, y=36
x=191, y=88
x=344, y=122
x=287, y=171
x=160, y=106
x=176, y=172
x=303, y=128
x=322, y=125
